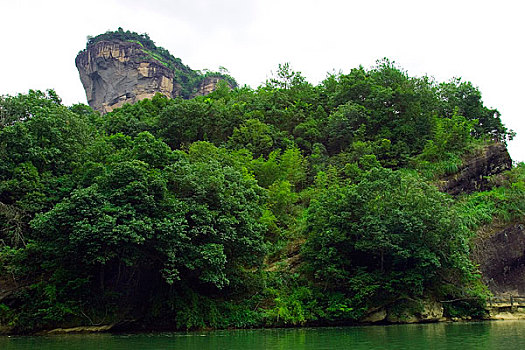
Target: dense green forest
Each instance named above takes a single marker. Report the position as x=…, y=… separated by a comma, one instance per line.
x=289, y=204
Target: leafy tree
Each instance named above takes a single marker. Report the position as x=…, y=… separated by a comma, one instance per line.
x=185, y=122
x=43, y=132
x=390, y=236
x=286, y=78
x=253, y=135
x=463, y=98
x=41, y=145
x=223, y=211
x=136, y=118
x=194, y=220
x=382, y=103
x=288, y=166
x=346, y=123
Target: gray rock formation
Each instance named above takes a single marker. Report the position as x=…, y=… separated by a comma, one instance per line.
x=472, y=175
x=412, y=311
x=500, y=253
x=207, y=86
x=117, y=72
x=114, y=73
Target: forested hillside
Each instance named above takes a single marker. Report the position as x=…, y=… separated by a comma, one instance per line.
x=290, y=204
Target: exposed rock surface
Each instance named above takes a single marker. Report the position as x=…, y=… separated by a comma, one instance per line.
x=374, y=317
x=499, y=249
x=472, y=175
x=117, y=72
x=114, y=73
x=207, y=86
x=424, y=311
x=81, y=329
x=514, y=315
x=501, y=259
x=408, y=312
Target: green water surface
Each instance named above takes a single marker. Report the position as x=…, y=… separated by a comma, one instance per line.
x=506, y=335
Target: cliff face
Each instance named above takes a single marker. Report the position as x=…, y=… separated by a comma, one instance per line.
x=498, y=249
x=114, y=73
x=501, y=258
x=207, y=86
x=117, y=72
x=472, y=175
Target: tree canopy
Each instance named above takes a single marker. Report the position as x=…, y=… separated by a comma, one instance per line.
x=286, y=204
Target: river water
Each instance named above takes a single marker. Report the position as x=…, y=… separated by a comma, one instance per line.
x=506, y=335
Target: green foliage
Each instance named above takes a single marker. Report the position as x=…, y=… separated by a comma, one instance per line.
x=286, y=78
x=201, y=119
x=41, y=131
x=346, y=124
x=187, y=217
x=505, y=202
x=459, y=97
x=281, y=199
x=383, y=238
x=451, y=136
x=185, y=309
x=224, y=209
x=288, y=166
x=136, y=118
x=294, y=308
x=382, y=103
x=290, y=204
x=253, y=135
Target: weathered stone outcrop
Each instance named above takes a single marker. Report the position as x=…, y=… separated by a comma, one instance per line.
x=472, y=175
x=114, y=73
x=500, y=254
x=413, y=311
x=207, y=86
x=117, y=72
x=375, y=316
x=498, y=249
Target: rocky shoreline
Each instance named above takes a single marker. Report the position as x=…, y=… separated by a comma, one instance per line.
x=494, y=314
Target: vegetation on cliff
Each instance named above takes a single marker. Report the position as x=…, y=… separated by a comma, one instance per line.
x=187, y=78
x=285, y=205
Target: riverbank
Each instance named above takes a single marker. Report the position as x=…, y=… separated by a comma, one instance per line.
x=494, y=314
x=506, y=314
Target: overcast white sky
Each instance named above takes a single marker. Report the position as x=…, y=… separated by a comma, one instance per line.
x=480, y=41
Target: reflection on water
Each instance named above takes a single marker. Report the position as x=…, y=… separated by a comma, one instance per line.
x=473, y=335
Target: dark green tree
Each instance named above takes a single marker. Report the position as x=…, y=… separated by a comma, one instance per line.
x=391, y=236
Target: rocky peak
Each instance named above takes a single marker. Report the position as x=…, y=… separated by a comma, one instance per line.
x=114, y=73
x=115, y=69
